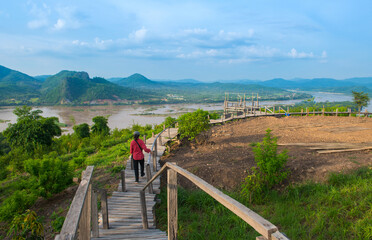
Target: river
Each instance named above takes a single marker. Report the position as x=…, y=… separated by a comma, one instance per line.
x=126, y=116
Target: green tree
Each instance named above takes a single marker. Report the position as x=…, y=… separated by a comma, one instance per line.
x=361, y=99
x=82, y=130
x=100, y=126
x=191, y=124
x=31, y=129
x=270, y=168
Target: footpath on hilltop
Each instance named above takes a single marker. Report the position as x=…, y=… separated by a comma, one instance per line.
x=226, y=154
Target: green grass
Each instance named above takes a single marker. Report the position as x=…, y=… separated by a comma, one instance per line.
x=338, y=209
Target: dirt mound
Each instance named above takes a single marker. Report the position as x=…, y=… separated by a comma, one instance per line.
x=227, y=154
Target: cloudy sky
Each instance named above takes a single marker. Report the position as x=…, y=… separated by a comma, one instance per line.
x=206, y=40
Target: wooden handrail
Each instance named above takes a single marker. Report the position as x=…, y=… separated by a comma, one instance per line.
x=79, y=214
x=260, y=224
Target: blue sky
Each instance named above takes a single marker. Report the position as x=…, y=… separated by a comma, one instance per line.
x=204, y=40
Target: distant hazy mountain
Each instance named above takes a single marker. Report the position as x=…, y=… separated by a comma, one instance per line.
x=42, y=78
x=78, y=87
x=138, y=81
x=14, y=84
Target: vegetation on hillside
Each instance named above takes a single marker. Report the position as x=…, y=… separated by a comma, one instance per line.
x=33, y=163
x=337, y=209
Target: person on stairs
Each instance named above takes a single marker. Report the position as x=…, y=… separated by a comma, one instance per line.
x=136, y=147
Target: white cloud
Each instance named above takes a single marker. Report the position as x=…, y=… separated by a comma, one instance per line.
x=294, y=54
x=40, y=14
x=60, y=24
x=139, y=35
x=324, y=54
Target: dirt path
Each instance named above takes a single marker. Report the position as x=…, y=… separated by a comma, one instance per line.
x=227, y=154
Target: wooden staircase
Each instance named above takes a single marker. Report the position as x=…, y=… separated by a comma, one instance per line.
x=124, y=208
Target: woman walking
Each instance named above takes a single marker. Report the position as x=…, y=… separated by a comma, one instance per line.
x=136, y=147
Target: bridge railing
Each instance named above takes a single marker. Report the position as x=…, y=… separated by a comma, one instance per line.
x=81, y=221
x=154, y=154
x=261, y=225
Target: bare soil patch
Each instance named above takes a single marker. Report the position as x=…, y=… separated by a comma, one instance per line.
x=223, y=159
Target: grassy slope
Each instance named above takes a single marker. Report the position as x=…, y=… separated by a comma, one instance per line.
x=339, y=209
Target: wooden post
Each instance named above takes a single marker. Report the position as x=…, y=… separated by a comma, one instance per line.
x=148, y=173
x=274, y=109
x=169, y=132
x=84, y=224
x=302, y=111
x=288, y=111
x=323, y=110
x=145, y=223
x=160, y=140
x=349, y=112
x=307, y=111
x=172, y=204
x=122, y=172
x=153, y=134
x=336, y=112
x=154, y=160
x=265, y=110
x=314, y=111
x=131, y=162
x=104, y=209
x=95, y=228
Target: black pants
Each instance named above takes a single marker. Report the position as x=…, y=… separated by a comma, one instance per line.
x=142, y=163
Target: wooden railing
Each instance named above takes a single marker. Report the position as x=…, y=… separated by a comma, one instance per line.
x=81, y=221
x=153, y=156
x=261, y=225
x=267, y=111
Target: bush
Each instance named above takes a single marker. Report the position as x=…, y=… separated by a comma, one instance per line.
x=19, y=201
x=57, y=222
x=191, y=124
x=82, y=130
x=26, y=226
x=53, y=175
x=170, y=122
x=270, y=168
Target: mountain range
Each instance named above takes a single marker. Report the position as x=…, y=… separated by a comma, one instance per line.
x=72, y=87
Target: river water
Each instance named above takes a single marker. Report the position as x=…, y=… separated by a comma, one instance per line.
x=126, y=116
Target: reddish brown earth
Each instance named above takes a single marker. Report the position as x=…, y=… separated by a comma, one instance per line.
x=223, y=159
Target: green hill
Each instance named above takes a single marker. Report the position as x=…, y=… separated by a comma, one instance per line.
x=17, y=85
x=139, y=81
x=78, y=87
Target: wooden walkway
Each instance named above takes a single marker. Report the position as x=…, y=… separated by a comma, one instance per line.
x=124, y=208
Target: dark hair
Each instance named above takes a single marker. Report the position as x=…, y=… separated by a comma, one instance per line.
x=136, y=135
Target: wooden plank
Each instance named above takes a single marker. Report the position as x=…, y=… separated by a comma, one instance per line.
x=71, y=222
x=172, y=204
x=345, y=150
x=260, y=224
x=279, y=236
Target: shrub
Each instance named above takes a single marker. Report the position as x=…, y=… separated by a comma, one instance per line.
x=169, y=122
x=100, y=126
x=270, y=168
x=53, y=175
x=82, y=130
x=57, y=222
x=191, y=124
x=19, y=201
x=26, y=226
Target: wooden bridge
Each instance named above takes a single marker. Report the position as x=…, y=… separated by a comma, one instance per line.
x=128, y=214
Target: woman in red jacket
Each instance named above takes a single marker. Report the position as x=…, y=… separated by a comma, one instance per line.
x=136, y=147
